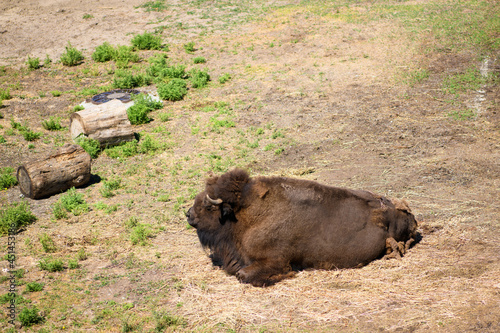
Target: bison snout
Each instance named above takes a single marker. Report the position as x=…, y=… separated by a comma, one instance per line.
x=190, y=218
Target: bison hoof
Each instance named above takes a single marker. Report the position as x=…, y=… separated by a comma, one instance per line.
x=395, y=249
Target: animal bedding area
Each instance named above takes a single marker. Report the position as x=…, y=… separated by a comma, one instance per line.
x=397, y=98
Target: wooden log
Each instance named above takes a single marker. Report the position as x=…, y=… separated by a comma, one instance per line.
x=107, y=123
x=68, y=167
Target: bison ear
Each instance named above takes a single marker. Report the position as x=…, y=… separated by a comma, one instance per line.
x=227, y=214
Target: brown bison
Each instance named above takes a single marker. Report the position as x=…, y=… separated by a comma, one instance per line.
x=263, y=229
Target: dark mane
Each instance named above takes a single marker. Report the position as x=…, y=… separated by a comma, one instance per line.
x=223, y=249
x=228, y=187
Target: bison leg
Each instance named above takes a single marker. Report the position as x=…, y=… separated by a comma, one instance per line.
x=394, y=249
x=408, y=244
x=264, y=275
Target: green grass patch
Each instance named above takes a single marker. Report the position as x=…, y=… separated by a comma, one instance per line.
x=53, y=124
x=33, y=63
x=109, y=186
x=30, y=316
x=470, y=79
x=147, y=41
x=174, y=90
x=34, y=286
x=71, y=57
x=140, y=233
x=5, y=94
x=72, y=202
x=166, y=321
x=122, y=54
x=30, y=135
x=199, y=60
x=124, y=79
x=104, y=52
x=15, y=216
x=51, y=265
x=189, y=47
x=7, y=179
x=48, y=244
x=143, y=105
x=161, y=70
x=198, y=78
x=224, y=78
x=146, y=145
x=467, y=114
x=91, y=146
x=154, y=6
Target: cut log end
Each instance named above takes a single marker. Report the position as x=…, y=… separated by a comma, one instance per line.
x=24, y=180
x=76, y=126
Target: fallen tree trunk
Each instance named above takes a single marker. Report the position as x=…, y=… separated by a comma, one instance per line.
x=68, y=167
x=107, y=123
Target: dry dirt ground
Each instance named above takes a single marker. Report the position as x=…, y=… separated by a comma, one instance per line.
x=317, y=91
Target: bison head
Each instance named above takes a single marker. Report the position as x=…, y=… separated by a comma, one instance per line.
x=213, y=216
x=217, y=205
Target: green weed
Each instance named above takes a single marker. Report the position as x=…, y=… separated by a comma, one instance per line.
x=471, y=79
x=224, y=78
x=156, y=6
x=47, y=61
x=73, y=264
x=109, y=187
x=140, y=233
x=87, y=16
x=166, y=320
x=56, y=93
x=462, y=114
x=5, y=94
x=71, y=57
x=104, y=52
x=147, y=41
x=165, y=116
x=127, y=80
x=91, y=146
x=161, y=70
x=415, y=77
x=51, y=265
x=174, y=90
x=71, y=201
x=30, y=316
x=29, y=135
x=48, y=244
x=199, y=79
x=53, y=124
x=143, y=105
x=81, y=255
x=189, y=47
x=15, y=216
x=33, y=63
x=34, y=286
x=77, y=108
x=126, y=149
x=7, y=180
x=199, y=60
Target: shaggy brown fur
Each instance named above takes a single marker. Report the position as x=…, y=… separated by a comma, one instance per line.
x=264, y=228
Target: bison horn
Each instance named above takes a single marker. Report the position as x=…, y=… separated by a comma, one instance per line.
x=214, y=202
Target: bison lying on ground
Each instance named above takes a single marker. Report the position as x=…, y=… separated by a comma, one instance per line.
x=262, y=229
